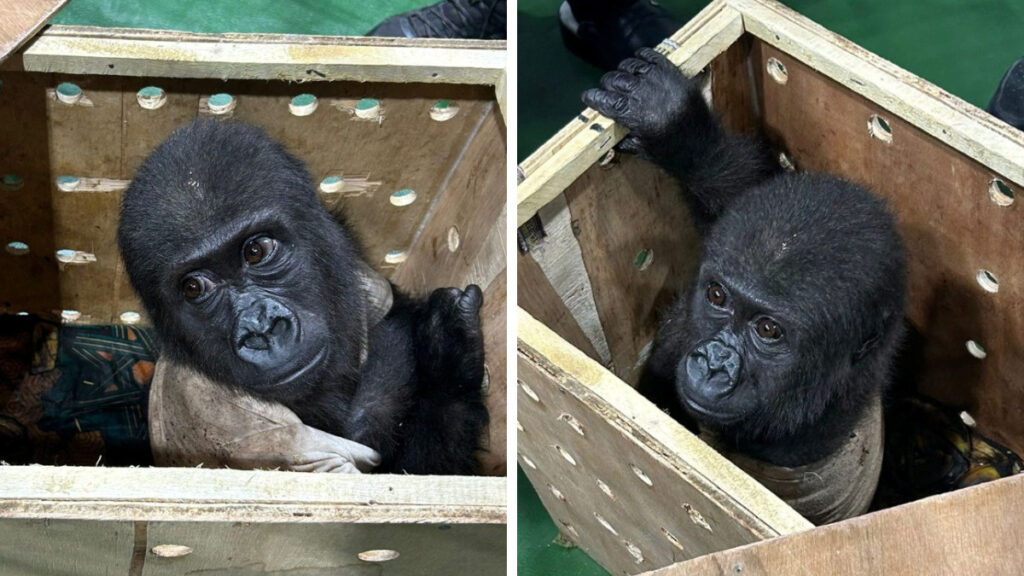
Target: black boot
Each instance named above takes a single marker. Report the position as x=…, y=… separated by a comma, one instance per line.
x=1008, y=102
x=605, y=33
x=483, y=19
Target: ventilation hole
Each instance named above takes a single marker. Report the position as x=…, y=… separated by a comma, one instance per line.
x=17, y=248
x=606, y=489
x=636, y=553
x=641, y=475
x=697, y=518
x=170, y=550
x=303, y=105
x=777, y=70
x=643, y=259
x=574, y=423
x=987, y=281
x=529, y=391
x=453, y=239
x=879, y=129
x=568, y=457
x=786, y=161
x=968, y=419
x=368, y=108
x=519, y=426
x=976, y=350
x=66, y=256
x=557, y=493
x=151, y=97
x=332, y=184
x=12, y=181
x=130, y=317
x=600, y=520
x=607, y=159
x=68, y=93
x=737, y=569
x=221, y=103
x=378, y=555
x=485, y=385
x=70, y=315
x=1000, y=193
x=526, y=460
x=22, y=313
x=403, y=197
x=570, y=528
x=671, y=538
x=395, y=256
x=443, y=110
x=67, y=183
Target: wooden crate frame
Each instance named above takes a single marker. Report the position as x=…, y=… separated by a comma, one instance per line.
x=624, y=481
x=100, y=520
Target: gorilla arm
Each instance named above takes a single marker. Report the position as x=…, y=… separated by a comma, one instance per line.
x=671, y=125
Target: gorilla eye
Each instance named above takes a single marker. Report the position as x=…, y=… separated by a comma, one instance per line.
x=257, y=249
x=768, y=329
x=192, y=287
x=716, y=294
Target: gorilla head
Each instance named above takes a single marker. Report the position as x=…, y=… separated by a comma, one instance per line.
x=232, y=254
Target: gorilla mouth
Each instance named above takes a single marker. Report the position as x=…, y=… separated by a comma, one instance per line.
x=302, y=372
x=703, y=413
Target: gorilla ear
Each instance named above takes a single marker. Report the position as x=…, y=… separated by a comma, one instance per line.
x=873, y=338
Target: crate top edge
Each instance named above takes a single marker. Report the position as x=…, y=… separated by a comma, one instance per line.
x=299, y=58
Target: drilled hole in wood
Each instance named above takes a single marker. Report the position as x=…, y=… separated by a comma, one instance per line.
x=572, y=422
x=402, y=197
x=68, y=93
x=786, y=161
x=606, y=489
x=987, y=281
x=17, y=248
x=66, y=256
x=600, y=520
x=643, y=259
x=151, y=97
x=395, y=256
x=332, y=184
x=607, y=159
x=171, y=550
x=303, y=105
x=777, y=70
x=22, y=313
x=526, y=460
x=67, y=183
x=378, y=555
x=967, y=419
x=454, y=241
x=528, y=391
x=976, y=350
x=130, y=317
x=641, y=475
x=673, y=540
x=634, y=551
x=443, y=110
x=368, y=108
x=221, y=103
x=485, y=386
x=697, y=518
x=70, y=315
x=556, y=492
x=519, y=426
x=12, y=181
x=568, y=457
x=879, y=129
x=569, y=528
x=1000, y=193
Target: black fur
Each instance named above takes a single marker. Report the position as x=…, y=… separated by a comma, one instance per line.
x=192, y=209
x=818, y=256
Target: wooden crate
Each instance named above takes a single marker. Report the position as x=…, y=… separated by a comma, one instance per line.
x=623, y=480
x=70, y=164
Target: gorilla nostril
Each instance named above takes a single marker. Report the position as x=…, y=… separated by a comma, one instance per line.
x=280, y=327
x=256, y=342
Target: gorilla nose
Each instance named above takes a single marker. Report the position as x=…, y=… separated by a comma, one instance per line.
x=264, y=328
x=713, y=369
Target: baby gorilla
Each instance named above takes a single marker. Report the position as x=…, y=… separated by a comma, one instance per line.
x=250, y=281
x=781, y=350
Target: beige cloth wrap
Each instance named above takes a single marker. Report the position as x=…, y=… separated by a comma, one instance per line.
x=837, y=487
x=195, y=421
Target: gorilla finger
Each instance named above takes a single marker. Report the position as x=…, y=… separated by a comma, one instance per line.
x=471, y=299
x=617, y=81
x=654, y=57
x=630, y=144
x=607, y=103
x=635, y=66
x=347, y=468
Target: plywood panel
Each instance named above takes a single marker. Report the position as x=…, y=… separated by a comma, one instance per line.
x=79, y=547
x=494, y=315
x=538, y=297
x=21, y=19
x=952, y=230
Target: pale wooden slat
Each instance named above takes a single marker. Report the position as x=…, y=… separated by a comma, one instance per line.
x=84, y=50
x=21, y=19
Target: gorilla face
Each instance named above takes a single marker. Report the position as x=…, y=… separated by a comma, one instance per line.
x=245, y=275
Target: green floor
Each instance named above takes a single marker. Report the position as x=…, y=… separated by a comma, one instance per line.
x=962, y=46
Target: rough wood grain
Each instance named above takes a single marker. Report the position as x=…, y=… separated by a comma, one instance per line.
x=973, y=531
x=618, y=475
x=538, y=297
x=105, y=51
x=951, y=227
x=21, y=19
x=82, y=548
x=494, y=315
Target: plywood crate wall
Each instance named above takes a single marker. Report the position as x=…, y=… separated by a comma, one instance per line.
x=609, y=242
x=407, y=140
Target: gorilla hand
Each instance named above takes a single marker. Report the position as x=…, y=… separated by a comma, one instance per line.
x=451, y=327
